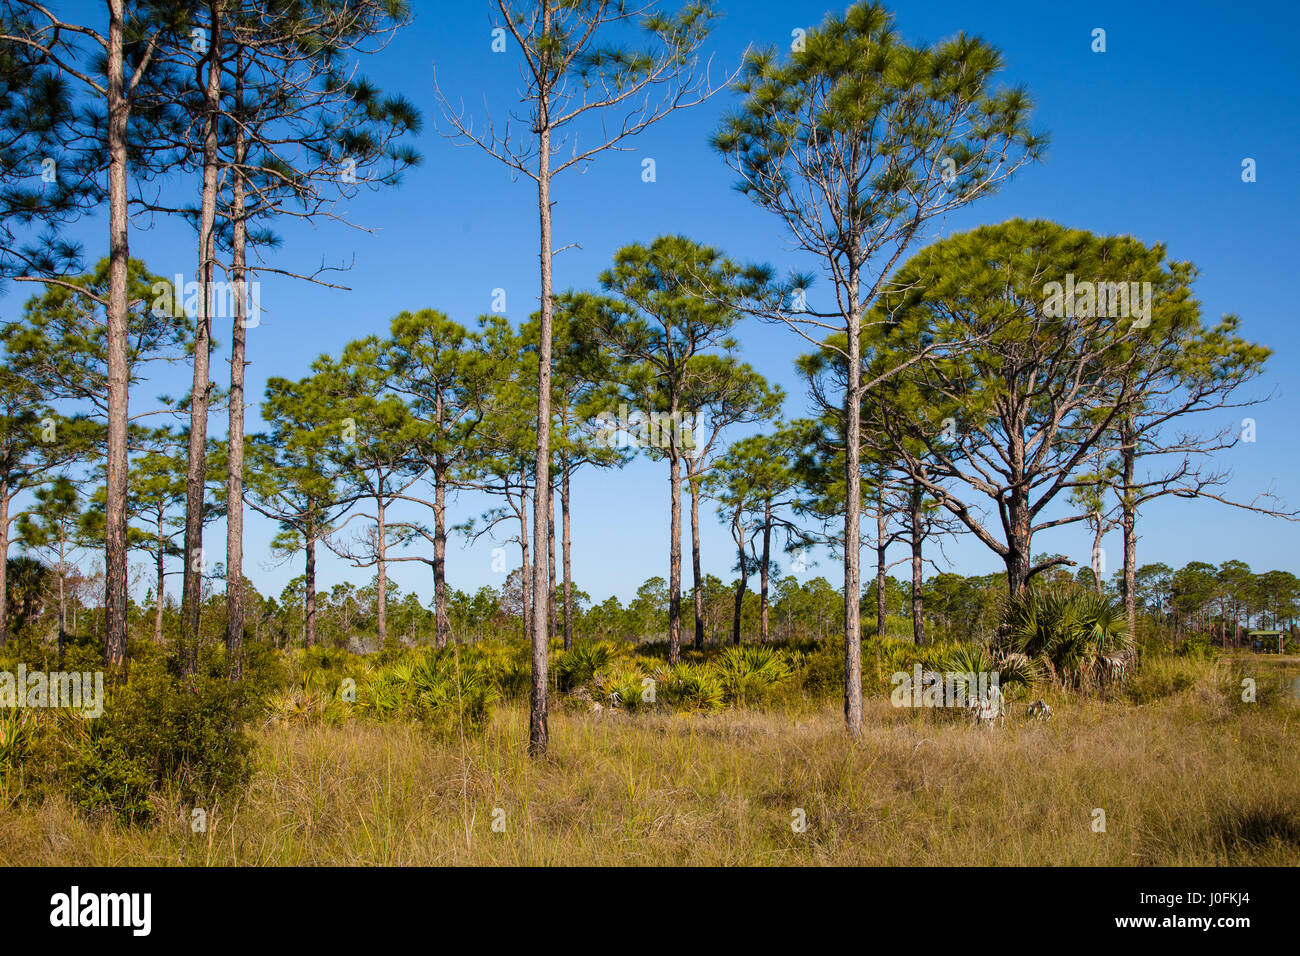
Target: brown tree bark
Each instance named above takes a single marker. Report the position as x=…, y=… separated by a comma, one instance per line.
x=161, y=569
x=882, y=527
x=115, y=518
x=442, y=626
x=235, y=453
x=554, y=622
x=196, y=471
x=566, y=548
x=4, y=561
x=764, y=569
x=853, y=513
x=696, y=572
x=309, y=599
x=918, y=542
x=381, y=581
x=674, y=543
x=740, y=597
x=1128, y=525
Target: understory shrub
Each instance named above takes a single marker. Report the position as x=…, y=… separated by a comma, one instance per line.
x=1078, y=637
x=159, y=731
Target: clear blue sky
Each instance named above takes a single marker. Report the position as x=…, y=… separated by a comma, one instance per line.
x=1147, y=139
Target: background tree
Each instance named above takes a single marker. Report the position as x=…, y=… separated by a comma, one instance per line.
x=439, y=370
x=372, y=450
x=1015, y=418
x=127, y=46
x=35, y=444
x=856, y=142
x=579, y=76
x=584, y=383
x=51, y=527
x=675, y=294
x=722, y=392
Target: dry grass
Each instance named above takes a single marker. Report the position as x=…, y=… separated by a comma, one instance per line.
x=1190, y=779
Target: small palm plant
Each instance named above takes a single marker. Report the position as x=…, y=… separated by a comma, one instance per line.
x=749, y=672
x=579, y=664
x=1079, y=637
x=623, y=686
x=692, y=687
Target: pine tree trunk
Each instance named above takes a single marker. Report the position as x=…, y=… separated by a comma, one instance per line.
x=161, y=569
x=1128, y=524
x=526, y=568
x=553, y=621
x=63, y=605
x=309, y=601
x=235, y=452
x=918, y=542
x=674, y=544
x=1018, y=558
x=538, y=731
x=115, y=517
x=566, y=548
x=196, y=471
x=442, y=626
x=381, y=582
x=853, y=514
x=740, y=595
x=696, y=572
x=4, y=561
x=763, y=572
x=882, y=526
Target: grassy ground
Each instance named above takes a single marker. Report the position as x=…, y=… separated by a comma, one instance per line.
x=1192, y=778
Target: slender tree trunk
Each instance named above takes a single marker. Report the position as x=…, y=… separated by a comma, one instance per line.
x=882, y=527
x=309, y=599
x=4, y=562
x=674, y=547
x=115, y=518
x=526, y=569
x=162, y=583
x=381, y=595
x=538, y=732
x=764, y=570
x=696, y=572
x=853, y=514
x=1098, y=534
x=1128, y=524
x=740, y=593
x=918, y=542
x=553, y=621
x=63, y=605
x=235, y=454
x=196, y=472
x=442, y=625
x=566, y=548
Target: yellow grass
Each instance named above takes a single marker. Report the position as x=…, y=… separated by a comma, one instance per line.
x=1190, y=779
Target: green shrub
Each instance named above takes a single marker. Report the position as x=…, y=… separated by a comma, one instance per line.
x=447, y=690
x=622, y=685
x=1015, y=671
x=1078, y=637
x=579, y=664
x=821, y=670
x=692, y=687
x=1198, y=647
x=748, y=673
x=161, y=731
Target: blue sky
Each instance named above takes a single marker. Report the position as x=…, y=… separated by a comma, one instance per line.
x=1147, y=139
